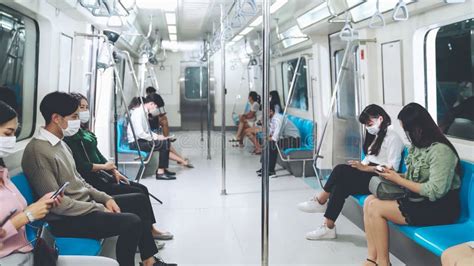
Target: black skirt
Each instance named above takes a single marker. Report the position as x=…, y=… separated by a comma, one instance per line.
x=423, y=212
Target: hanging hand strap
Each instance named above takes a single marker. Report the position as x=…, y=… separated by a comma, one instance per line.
x=400, y=12
x=377, y=20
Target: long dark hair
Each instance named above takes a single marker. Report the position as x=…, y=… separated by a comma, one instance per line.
x=7, y=113
x=79, y=97
x=256, y=98
x=135, y=102
x=422, y=129
x=370, y=112
x=275, y=99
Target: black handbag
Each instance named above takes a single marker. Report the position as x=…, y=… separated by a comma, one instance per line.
x=105, y=176
x=45, y=252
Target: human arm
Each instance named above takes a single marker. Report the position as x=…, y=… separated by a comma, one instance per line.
x=361, y=166
x=139, y=121
x=394, y=154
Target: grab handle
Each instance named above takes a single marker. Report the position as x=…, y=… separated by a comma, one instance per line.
x=400, y=12
x=377, y=20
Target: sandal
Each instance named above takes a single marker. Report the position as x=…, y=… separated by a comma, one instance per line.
x=233, y=140
x=374, y=262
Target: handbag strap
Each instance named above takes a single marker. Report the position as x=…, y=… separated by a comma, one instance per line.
x=85, y=151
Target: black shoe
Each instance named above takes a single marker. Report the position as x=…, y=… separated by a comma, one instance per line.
x=169, y=172
x=259, y=171
x=159, y=262
x=165, y=177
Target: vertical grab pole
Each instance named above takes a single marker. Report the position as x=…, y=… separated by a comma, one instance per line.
x=200, y=101
x=266, y=151
x=208, y=105
x=223, y=191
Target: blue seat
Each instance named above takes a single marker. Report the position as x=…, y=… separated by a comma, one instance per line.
x=306, y=128
x=438, y=238
x=66, y=246
x=122, y=141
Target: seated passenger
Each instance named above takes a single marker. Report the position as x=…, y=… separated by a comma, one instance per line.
x=432, y=182
x=15, y=249
x=459, y=255
x=91, y=164
x=252, y=132
x=382, y=146
x=247, y=120
x=158, y=121
x=84, y=211
x=146, y=138
x=283, y=132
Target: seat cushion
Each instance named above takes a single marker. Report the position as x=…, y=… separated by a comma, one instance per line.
x=438, y=238
x=360, y=199
x=78, y=246
x=122, y=141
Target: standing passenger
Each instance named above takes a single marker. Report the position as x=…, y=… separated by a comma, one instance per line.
x=382, y=146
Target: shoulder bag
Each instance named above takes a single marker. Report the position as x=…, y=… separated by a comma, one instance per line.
x=102, y=175
x=386, y=190
x=45, y=252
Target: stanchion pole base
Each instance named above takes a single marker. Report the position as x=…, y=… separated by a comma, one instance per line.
x=223, y=192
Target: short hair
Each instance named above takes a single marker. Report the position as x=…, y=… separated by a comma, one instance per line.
x=150, y=90
x=155, y=98
x=59, y=103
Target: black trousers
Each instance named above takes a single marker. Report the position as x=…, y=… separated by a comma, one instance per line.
x=162, y=146
x=132, y=226
x=343, y=182
x=121, y=189
x=284, y=143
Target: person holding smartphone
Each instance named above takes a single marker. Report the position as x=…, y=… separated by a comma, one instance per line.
x=15, y=249
x=382, y=146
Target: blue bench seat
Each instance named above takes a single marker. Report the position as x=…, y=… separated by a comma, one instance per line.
x=438, y=238
x=66, y=245
x=122, y=141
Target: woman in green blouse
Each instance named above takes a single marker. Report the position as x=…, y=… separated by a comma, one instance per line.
x=432, y=181
x=90, y=162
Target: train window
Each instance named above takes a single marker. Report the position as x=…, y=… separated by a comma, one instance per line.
x=454, y=49
x=299, y=99
x=192, y=89
x=18, y=66
x=346, y=105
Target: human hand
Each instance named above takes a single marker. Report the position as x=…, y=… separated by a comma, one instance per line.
x=359, y=166
x=3, y=233
x=112, y=206
x=390, y=175
x=119, y=177
x=109, y=166
x=57, y=199
x=40, y=208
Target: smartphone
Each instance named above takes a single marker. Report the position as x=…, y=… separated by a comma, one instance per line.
x=380, y=168
x=60, y=190
x=9, y=216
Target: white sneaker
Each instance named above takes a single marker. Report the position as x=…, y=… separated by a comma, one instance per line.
x=323, y=232
x=312, y=206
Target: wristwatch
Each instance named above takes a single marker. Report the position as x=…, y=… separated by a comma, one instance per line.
x=30, y=216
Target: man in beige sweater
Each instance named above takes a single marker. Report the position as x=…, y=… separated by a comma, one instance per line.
x=84, y=211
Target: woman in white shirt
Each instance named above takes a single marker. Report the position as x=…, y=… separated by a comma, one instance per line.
x=382, y=146
x=247, y=120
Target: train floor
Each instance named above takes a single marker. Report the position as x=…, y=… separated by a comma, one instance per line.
x=211, y=229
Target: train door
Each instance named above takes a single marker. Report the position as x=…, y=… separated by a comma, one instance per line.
x=347, y=130
x=193, y=96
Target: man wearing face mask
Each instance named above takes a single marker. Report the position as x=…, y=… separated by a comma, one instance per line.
x=145, y=137
x=84, y=211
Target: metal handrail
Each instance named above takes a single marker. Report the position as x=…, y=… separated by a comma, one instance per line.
x=337, y=86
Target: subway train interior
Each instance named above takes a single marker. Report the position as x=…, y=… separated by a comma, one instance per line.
x=224, y=90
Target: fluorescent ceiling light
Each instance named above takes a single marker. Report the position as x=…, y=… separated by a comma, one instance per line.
x=246, y=31
x=166, y=5
x=171, y=29
x=256, y=22
x=277, y=5
x=170, y=18
x=237, y=38
x=313, y=16
x=339, y=7
x=173, y=37
x=368, y=9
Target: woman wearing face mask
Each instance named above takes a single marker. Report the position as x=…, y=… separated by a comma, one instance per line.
x=15, y=249
x=432, y=180
x=89, y=161
x=382, y=146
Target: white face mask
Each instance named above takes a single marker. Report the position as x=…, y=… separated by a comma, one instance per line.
x=375, y=127
x=72, y=128
x=155, y=112
x=84, y=116
x=7, y=146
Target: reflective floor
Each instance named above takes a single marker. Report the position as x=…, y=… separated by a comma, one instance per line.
x=211, y=229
